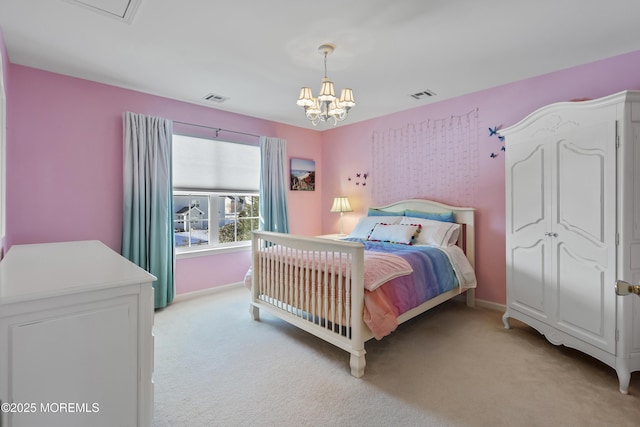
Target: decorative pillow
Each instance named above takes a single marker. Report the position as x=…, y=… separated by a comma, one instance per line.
x=378, y=212
x=442, y=216
x=366, y=224
x=394, y=233
x=435, y=233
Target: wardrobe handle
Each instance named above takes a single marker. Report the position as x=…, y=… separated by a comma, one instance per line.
x=551, y=234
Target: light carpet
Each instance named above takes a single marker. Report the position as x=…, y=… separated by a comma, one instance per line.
x=452, y=366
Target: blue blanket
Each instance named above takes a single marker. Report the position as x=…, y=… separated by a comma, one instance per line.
x=432, y=271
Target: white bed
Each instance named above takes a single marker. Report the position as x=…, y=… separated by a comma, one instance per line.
x=318, y=284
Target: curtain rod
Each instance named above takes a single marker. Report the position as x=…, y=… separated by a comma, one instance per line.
x=218, y=130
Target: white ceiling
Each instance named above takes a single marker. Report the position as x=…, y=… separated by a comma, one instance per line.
x=258, y=53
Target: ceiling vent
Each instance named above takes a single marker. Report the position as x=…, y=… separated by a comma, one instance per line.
x=122, y=10
x=212, y=97
x=423, y=94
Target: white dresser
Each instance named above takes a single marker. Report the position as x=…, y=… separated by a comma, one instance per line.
x=573, y=226
x=76, y=343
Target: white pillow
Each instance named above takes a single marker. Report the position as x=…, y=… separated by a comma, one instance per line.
x=366, y=224
x=394, y=233
x=433, y=232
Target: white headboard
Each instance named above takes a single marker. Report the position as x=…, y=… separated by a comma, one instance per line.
x=464, y=216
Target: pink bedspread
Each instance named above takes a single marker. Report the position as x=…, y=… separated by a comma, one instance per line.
x=380, y=267
x=433, y=274
x=383, y=305
x=379, y=314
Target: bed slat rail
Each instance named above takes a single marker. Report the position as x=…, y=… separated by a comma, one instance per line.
x=315, y=284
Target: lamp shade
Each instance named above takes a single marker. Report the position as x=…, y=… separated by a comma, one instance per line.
x=306, y=98
x=327, y=93
x=341, y=204
x=346, y=98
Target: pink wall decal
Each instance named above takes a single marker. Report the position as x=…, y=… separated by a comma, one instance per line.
x=436, y=159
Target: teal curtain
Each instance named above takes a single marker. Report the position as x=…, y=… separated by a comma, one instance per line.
x=147, y=225
x=274, y=215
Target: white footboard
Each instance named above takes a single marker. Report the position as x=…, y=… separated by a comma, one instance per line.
x=315, y=284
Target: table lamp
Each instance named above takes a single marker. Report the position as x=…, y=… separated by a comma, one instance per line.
x=341, y=204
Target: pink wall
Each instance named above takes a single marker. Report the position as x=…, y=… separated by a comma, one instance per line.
x=64, y=159
x=64, y=165
x=348, y=148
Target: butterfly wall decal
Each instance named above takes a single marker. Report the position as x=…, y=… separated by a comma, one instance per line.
x=360, y=178
x=495, y=131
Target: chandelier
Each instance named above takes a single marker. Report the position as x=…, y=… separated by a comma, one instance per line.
x=326, y=106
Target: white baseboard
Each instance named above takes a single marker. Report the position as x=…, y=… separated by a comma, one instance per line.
x=490, y=305
x=204, y=292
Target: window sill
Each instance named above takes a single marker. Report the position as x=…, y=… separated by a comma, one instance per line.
x=194, y=253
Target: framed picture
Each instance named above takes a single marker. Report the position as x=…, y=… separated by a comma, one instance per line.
x=303, y=175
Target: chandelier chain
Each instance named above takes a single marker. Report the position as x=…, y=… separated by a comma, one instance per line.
x=325, y=64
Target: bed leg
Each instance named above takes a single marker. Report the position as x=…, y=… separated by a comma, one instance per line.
x=471, y=298
x=254, y=312
x=357, y=363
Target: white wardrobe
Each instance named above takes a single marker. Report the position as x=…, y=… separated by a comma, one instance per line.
x=573, y=226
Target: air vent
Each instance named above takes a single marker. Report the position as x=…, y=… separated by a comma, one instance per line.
x=122, y=10
x=212, y=97
x=423, y=94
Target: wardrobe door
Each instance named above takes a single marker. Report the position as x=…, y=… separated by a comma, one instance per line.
x=528, y=196
x=583, y=239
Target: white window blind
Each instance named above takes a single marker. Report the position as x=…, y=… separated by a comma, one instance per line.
x=213, y=165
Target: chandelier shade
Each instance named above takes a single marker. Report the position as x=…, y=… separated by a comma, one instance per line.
x=327, y=93
x=306, y=98
x=346, y=98
x=326, y=106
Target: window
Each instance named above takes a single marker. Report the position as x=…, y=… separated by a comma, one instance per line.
x=207, y=220
x=215, y=193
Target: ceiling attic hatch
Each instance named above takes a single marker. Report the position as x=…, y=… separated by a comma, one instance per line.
x=122, y=10
x=212, y=97
x=424, y=94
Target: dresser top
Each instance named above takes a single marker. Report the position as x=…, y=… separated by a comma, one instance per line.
x=52, y=269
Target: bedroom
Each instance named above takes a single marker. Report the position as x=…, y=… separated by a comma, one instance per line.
x=53, y=167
